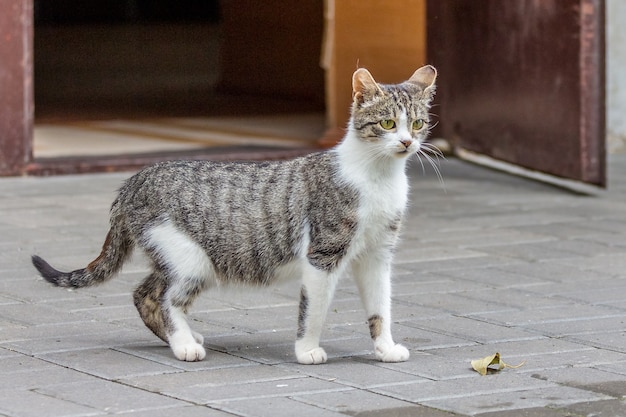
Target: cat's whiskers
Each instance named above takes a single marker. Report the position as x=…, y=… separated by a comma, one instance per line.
x=429, y=147
x=433, y=149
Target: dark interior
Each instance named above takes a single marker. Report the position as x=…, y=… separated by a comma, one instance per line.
x=151, y=58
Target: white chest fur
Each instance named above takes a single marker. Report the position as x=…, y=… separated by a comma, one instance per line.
x=383, y=189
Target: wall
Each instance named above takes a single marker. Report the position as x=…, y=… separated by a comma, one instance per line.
x=616, y=75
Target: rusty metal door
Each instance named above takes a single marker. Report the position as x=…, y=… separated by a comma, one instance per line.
x=523, y=82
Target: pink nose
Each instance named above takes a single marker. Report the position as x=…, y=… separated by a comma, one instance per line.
x=406, y=142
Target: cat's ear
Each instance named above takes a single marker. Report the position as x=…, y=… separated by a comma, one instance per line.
x=364, y=86
x=425, y=78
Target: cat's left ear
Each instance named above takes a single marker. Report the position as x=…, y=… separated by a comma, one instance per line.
x=425, y=78
x=364, y=87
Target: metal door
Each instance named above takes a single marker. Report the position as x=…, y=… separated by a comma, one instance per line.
x=523, y=82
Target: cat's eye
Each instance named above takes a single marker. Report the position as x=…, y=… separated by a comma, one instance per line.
x=387, y=124
x=418, y=124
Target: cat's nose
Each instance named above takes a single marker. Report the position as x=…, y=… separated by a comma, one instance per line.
x=406, y=142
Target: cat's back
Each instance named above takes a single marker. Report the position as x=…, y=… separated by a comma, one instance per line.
x=181, y=188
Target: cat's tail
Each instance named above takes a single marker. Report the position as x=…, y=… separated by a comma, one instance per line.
x=117, y=248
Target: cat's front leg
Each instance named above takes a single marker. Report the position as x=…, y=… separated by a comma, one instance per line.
x=373, y=277
x=316, y=293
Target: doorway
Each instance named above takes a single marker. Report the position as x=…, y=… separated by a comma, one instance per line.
x=139, y=77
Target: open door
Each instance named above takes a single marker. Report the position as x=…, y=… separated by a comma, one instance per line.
x=523, y=82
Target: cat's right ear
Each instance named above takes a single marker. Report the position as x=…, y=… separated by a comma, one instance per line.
x=364, y=86
x=425, y=78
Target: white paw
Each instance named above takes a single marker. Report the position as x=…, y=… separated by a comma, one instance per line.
x=191, y=352
x=395, y=353
x=312, y=357
x=185, y=346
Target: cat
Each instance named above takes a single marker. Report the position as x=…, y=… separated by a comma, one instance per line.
x=207, y=224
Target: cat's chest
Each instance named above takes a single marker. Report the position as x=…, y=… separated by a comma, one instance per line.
x=382, y=206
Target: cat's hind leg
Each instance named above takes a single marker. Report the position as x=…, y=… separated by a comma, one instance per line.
x=153, y=299
x=186, y=270
x=373, y=277
x=316, y=294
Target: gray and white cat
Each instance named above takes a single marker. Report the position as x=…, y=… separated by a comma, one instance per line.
x=208, y=224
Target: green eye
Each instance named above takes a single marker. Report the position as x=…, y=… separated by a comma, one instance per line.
x=418, y=124
x=387, y=124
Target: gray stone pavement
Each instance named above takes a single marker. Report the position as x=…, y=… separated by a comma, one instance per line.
x=488, y=263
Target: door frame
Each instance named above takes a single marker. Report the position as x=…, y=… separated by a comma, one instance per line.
x=16, y=86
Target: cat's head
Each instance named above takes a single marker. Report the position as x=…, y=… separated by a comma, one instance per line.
x=392, y=118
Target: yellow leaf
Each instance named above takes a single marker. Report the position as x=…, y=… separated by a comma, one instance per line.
x=481, y=365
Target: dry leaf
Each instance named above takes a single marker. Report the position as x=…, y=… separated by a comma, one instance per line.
x=481, y=365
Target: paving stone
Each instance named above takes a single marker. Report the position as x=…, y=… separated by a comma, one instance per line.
x=581, y=325
x=73, y=340
x=562, y=360
x=455, y=303
x=39, y=377
x=551, y=271
x=15, y=362
x=354, y=372
x=243, y=373
x=608, y=408
x=554, y=314
x=107, y=363
x=611, y=340
x=429, y=392
x=30, y=403
x=432, y=366
x=287, y=387
x=542, y=346
x=495, y=278
x=109, y=397
x=516, y=400
x=186, y=411
x=473, y=330
x=352, y=402
x=577, y=376
x=274, y=407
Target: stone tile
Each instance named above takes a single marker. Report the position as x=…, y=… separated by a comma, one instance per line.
x=186, y=411
x=274, y=407
x=16, y=362
x=444, y=392
x=31, y=403
x=432, y=366
x=107, y=363
x=159, y=352
x=495, y=278
x=244, y=373
x=455, y=303
x=517, y=348
x=352, y=402
x=109, y=397
x=580, y=325
x=472, y=330
x=238, y=391
x=589, y=379
x=40, y=377
x=354, y=372
x=608, y=408
x=69, y=340
x=610, y=340
x=534, y=363
x=557, y=313
x=516, y=400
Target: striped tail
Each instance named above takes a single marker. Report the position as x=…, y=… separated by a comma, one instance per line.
x=116, y=249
